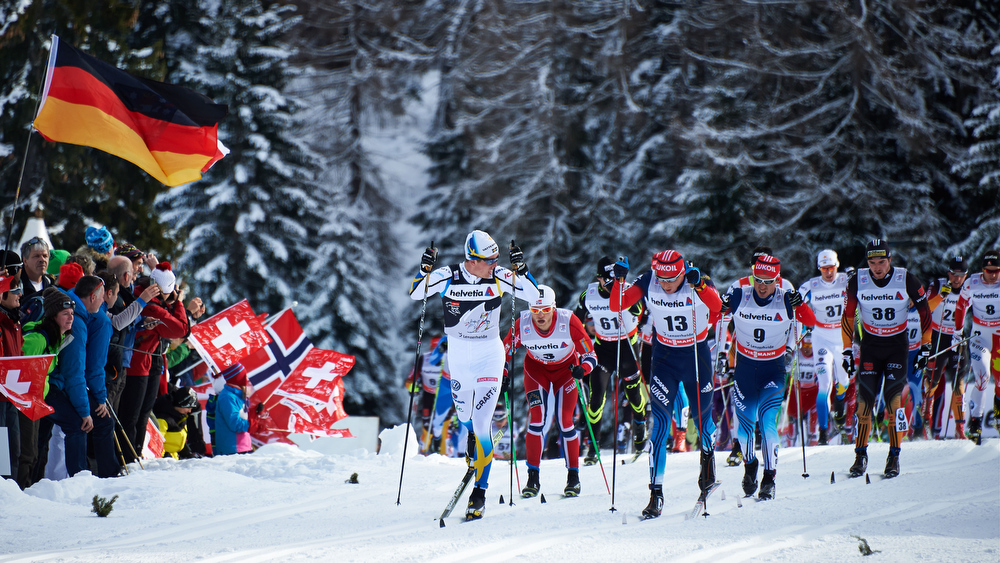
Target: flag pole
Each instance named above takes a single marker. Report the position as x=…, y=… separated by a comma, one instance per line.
x=27, y=144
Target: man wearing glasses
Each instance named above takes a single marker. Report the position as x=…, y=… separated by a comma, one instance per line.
x=942, y=299
x=559, y=350
x=881, y=294
x=471, y=294
x=981, y=296
x=613, y=343
x=762, y=319
x=680, y=301
x=35, y=253
x=824, y=294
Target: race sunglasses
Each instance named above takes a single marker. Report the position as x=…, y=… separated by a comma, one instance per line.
x=670, y=280
x=490, y=261
x=763, y=281
x=537, y=310
x=16, y=290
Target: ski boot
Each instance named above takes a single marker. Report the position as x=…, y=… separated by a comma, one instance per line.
x=591, y=457
x=996, y=412
x=477, y=504
x=572, y=483
x=750, y=477
x=891, y=464
x=860, y=462
x=655, y=506
x=975, y=431
x=706, y=478
x=639, y=435
x=767, y=485
x=680, y=440
x=735, y=456
x=531, y=487
x=435, y=445
x=822, y=437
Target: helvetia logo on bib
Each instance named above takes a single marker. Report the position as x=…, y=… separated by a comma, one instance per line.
x=899, y=296
x=489, y=292
x=777, y=317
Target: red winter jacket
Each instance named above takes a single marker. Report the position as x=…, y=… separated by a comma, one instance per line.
x=174, y=325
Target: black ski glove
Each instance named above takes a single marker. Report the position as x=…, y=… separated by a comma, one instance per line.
x=692, y=275
x=849, y=362
x=517, y=260
x=621, y=268
x=428, y=259
x=794, y=298
x=577, y=372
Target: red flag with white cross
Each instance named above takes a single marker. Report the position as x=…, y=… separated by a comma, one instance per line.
x=22, y=382
x=229, y=336
x=313, y=392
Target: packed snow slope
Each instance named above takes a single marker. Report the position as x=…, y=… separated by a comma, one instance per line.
x=286, y=504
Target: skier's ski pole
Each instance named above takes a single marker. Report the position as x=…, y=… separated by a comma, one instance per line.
x=583, y=405
x=416, y=360
x=618, y=363
x=507, y=402
x=952, y=347
x=798, y=397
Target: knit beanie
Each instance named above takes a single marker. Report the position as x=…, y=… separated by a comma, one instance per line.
x=99, y=239
x=235, y=374
x=163, y=277
x=129, y=251
x=69, y=274
x=57, y=257
x=54, y=301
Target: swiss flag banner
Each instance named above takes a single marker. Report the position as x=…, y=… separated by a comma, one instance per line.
x=229, y=336
x=152, y=446
x=269, y=366
x=311, y=399
x=22, y=382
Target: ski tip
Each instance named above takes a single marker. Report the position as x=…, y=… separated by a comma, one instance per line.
x=542, y=496
x=501, y=499
x=441, y=523
x=833, y=478
x=868, y=480
x=739, y=503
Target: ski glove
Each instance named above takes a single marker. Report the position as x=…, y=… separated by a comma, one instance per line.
x=722, y=362
x=505, y=383
x=794, y=298
x=692, y=275
x=945, y=290
x=621, y=268
x=517, y=260
x=577, y=371
x=920, y=362
x=849, y=362
x=428, y=259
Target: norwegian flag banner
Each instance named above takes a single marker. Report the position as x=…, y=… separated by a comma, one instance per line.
x=22, y=382
x=229, y=336
x=311, y=399
x=269, y=366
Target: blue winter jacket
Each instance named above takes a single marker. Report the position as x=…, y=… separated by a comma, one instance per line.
x=69, y=373
x=231, y=418
x=81, y=363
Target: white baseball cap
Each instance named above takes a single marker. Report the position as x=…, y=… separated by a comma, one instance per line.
x=827, y=258
x=546, y=297
x=479, y=245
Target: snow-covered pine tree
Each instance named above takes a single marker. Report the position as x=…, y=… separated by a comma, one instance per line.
x=249, y=223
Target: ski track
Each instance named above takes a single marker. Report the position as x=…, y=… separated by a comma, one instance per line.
x=279, y=504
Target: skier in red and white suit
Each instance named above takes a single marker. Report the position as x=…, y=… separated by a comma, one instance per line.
x=559, y=353
x=981, y=294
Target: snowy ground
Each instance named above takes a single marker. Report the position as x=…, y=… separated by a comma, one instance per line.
x=282, y=503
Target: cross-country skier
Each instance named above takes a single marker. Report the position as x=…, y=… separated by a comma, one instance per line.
x=981, y=296
x=942, y=298
x=471, y=294
x=609, y=349
x=763, y=321
x=559, y=352
x=880, y=294
x=680, y=301
x=430, y=370
x=724, y=329
x=825, y=295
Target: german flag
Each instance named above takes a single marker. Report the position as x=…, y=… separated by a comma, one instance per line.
x=169, y=131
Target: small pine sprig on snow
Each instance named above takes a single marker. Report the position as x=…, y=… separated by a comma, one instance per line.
x=863, y=546
x=102, y=506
